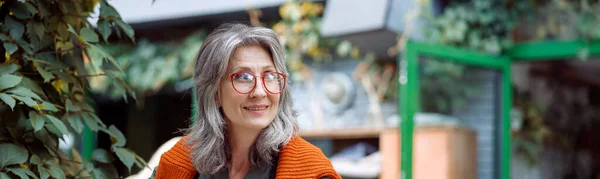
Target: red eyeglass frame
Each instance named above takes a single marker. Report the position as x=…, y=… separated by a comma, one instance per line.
x=262, y=78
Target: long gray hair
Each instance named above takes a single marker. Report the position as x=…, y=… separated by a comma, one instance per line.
x=207, y=138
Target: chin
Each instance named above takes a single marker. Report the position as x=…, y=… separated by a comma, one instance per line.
x=260, y=123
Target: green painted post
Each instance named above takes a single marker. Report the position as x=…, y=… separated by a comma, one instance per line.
x=409, y=99
x=506, y=107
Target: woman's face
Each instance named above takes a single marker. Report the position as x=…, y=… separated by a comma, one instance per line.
x=256, y=109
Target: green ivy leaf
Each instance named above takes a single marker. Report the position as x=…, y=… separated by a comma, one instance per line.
x=30, y=84
x=88, y=35
x=71, y=29
x=52, y=129
x=25, y=46
x=12, y=154
x=75, y=122
x=104, y=28
x=106, y=171
x=31, y=8
x=58, y=123
x=35, y=160
x=107, y=11
x=4, y=176
x=45, y=74
x=39, y=29
x=126, y=156
x=8, y=68
x=55, y=170
x=43, y=172
x=117, y=137
x=3, y=37
x=126, y=28
x=93, y=49
x=47, y=106
x=21, y=172
x=15, y=28
x=20, y=11
x=91, y=123
x=37, y=121
x=24, y=92
x=8, y=100
x=70, y=107
x=10, y=48
x=27, y=100
x=9, y=81
x=44, y=12
x=102, y=155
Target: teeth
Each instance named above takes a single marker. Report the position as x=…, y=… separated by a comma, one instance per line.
x=255, y=109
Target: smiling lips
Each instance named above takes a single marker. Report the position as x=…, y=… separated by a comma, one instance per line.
x=257, y=109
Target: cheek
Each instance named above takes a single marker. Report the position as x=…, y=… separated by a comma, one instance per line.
x=275, y=100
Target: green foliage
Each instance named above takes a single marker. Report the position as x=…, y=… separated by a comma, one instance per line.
x=444, y=87
x=44, y=86
x=482, y=25
x=299, y=29
x=146, y=66
x=492, y=26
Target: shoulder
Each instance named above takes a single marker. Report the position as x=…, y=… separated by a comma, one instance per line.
x=176, y=162
x=300, y=149
x=301, y=158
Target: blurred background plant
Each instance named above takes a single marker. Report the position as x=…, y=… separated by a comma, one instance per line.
x=299, y=29
x=149, y=66
x=444, y=86
x=492, y=27
x=528, y=128
x=44, y=89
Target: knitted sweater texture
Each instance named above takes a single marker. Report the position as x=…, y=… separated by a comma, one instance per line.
x=297, y=159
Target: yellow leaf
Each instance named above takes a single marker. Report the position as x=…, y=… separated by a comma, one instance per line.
x=279, y=28
x=60, y=86
x=305, y=8
x=7, y=57
x=316, y=9
x=283, y=10
x=297, y=28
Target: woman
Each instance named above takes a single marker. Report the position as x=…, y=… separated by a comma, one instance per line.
x=245, y=126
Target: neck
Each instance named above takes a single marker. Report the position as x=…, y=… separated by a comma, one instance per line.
x=240, y=142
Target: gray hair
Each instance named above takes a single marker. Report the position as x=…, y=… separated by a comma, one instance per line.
x=207, y=138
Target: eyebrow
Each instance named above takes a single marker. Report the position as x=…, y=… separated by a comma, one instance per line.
x=245, y=68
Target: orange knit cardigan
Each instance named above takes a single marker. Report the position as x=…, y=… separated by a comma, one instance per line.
x=297, y=159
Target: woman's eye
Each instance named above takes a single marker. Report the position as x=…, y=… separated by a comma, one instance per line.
x=269, y=76
x=244, y=77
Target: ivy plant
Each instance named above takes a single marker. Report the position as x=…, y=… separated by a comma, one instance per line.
x=44, y=88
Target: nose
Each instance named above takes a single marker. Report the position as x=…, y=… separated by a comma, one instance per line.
x=259, y=89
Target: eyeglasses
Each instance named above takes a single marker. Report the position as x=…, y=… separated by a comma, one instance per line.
x=244, y=82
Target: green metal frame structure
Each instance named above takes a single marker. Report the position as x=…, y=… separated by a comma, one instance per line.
x=409, y=93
